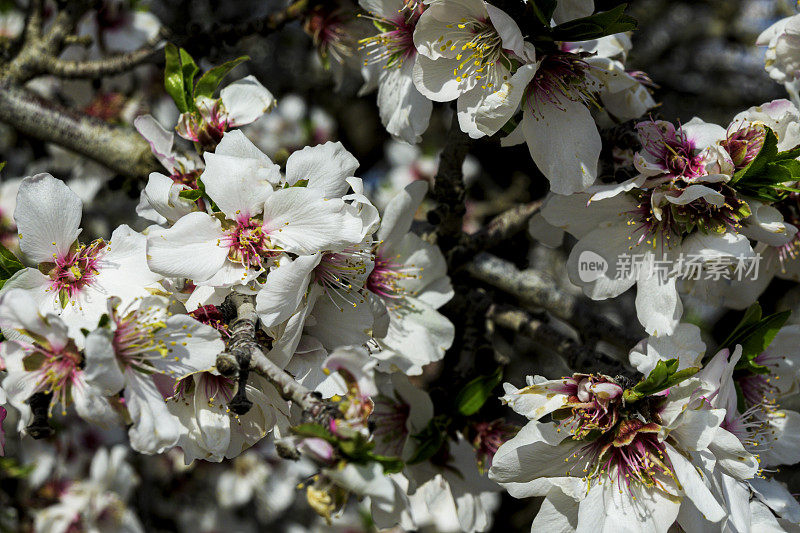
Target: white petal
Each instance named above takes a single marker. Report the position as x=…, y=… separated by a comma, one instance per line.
x=246, y=100
x=189, y=249
x=658, y=304
x=154, y=428
x=285, y=288
x=404, y=112
x=325, y=166
x=48, y=217
x=694, y=487
x=508, y=30
x=303, y=222
x=102, y=370
x=162, y=195
x=92, y=406
x=237, y=185
x=564, y=143
x=500, y=106
x=399, y=213
x=604, y=244
x=418, y=335
x=558, y=514
x=435, y=80
x=192, y=346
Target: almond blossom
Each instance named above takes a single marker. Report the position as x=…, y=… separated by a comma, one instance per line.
x=67, y=278
x=239, y=103
x=607, y=464
x=389, y=62
x=466, y=49
x=257, y=221
x=141, y=341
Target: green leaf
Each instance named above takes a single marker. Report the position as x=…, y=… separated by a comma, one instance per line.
x=771, y=175
x=391, y=465
x=663, y=376
x=543, y=9
x=104, y=321
x=595, y=26
x=475, y=393
x=767, y=153
x=191, y=194
x=2, y=166
x=9, y=264
x=430, y=441
x=314, y=431
x=209, y=81
x=757, y=338
x=751, y=316
x=173, y=78
x=189, y=70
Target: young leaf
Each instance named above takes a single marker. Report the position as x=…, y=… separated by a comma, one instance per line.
x=173, y=77
x=191, y=194
x=209, y=81
x=391, y=465
x=189, y=70
x=475, y=393
x=430, y=441
x=543, y=9
x=9, y=264
x=662, y=377
x=751, y=316
x=767, y=153
x=595, y=26
x=314, y=431
x=757, y=338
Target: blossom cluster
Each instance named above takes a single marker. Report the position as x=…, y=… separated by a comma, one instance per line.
x=277, y=333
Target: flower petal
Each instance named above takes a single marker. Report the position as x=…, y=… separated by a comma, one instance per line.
x=48, y=217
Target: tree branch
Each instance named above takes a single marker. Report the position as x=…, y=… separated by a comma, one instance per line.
x=38, y=48
x=577, y=356
x=243, y=346
x=121, y=149
x=501, y=228
x=448, y=189
x=535, y=291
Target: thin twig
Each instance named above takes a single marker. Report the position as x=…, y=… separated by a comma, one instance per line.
x=107, y=66
x=534, y=290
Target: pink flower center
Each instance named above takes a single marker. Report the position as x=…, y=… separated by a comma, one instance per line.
x=671, y=149
x=489, y=436
x=210, y=315
x=744, y=144
x=206, y=126
x=248, y=244
x=386, y=278
x=395, y=44
x=57, y=370
x=72, y=273
x=560, y=76
x=631, y=453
